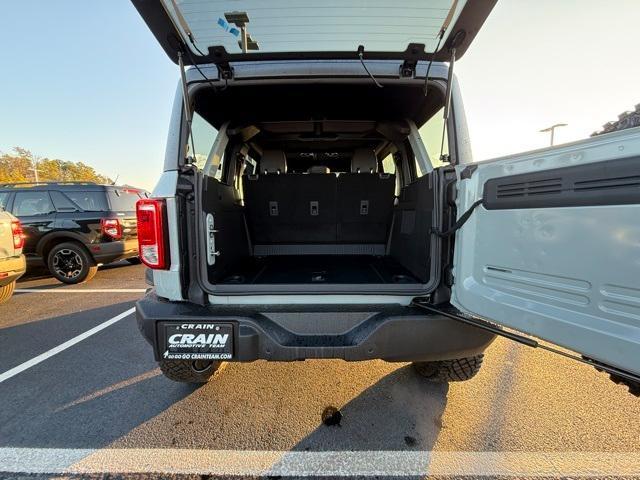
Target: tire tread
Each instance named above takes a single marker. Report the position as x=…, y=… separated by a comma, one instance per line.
x=7, y=291
x=456, y=370
x=180, y=371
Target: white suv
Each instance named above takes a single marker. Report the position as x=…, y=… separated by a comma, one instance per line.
x=300, y=214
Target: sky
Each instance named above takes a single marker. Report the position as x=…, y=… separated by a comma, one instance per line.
x=86, y=81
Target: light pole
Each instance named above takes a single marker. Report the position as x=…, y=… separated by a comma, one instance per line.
x=35, y=170
x=552, y=129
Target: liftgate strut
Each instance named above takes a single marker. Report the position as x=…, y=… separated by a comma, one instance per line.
x=629, y=379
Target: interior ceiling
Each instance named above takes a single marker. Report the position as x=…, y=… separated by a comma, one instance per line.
x=363, y=103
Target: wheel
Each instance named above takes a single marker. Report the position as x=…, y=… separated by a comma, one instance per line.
x=7, y=291
x=444, y=371
x=70, y=263
x=134, y=260
x=189, y=371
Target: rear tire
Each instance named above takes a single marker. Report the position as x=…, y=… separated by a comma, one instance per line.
x=7, y=291
x=444, y=371
x=134, y=260
x=189, y=371
x=70, y=263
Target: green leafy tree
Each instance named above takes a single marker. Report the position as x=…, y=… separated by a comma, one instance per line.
x=18, y=166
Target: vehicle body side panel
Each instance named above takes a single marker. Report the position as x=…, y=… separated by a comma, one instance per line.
x=6, y=235
x=12, y=262
x=460, y=135
x=172, y=150
x=14, y=267
x=167, y=282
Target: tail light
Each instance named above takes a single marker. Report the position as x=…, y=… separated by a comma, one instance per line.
x=111, y=227
x=151, y=233
x=18, y=234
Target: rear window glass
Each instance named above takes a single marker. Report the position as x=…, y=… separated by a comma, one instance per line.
x=62, y=203
x=431, y=134
x=309, y=25
x=203, y=136
x=124, y=200
x=4, y=197
x=89, y=201
x=32, y=203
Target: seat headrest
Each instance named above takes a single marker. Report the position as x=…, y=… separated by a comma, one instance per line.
x=364, y=161
x=318, y=169
x=273, y=161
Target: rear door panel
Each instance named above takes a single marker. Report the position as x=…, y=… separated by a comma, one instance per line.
x=554, y=251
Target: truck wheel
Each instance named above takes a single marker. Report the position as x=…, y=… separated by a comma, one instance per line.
x=188, y=371
x=7, y=291
x=71, y=263
x=444, y=371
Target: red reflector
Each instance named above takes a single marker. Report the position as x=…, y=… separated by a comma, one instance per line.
x=151, y=235
x=18, y=234
x=111, y=227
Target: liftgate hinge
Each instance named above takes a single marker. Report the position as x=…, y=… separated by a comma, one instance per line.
x=226, y=70
x=408, y=69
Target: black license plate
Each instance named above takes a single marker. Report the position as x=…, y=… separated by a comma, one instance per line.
x=198, y=341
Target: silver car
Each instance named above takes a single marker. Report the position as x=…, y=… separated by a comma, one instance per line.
x=12, y=261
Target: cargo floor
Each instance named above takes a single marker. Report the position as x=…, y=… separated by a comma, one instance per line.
x=322, y=269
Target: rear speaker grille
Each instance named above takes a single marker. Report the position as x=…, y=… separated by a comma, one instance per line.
x=608, y=183
x=536, y=187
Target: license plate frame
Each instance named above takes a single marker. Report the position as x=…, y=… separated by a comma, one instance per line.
x=197, y=341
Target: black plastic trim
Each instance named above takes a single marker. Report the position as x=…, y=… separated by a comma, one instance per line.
x=611, y=182
x=389, y=332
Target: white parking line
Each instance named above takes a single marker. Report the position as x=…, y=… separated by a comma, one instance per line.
x=69, y=343
x=306, y=464
x=80, y=290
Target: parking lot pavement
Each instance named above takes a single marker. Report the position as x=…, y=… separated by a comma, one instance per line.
x=119, y=276
x=101, y=406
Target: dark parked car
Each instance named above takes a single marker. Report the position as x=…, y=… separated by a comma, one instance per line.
x=73, y=227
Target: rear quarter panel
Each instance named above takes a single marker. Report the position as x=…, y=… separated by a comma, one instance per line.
x=6, y=236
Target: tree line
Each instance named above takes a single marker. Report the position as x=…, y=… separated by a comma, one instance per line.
x=20, y=166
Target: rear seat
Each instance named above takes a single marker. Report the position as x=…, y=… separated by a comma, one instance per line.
x=365, y=201
x=289, y=208
x=265, y=197
x=314, y=217
x=318, y=207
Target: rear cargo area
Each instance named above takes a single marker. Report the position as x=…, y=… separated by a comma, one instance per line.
x=316, y=241
x=318, y=269
x=300, y=197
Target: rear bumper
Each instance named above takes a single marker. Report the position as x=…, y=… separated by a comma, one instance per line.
x=113, y=251
x=11, y=269
x=285, y=333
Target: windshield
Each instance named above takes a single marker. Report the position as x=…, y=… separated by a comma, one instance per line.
x=312, y=26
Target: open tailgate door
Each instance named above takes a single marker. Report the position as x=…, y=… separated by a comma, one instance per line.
x=554, y=249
